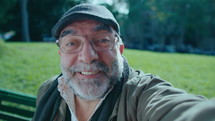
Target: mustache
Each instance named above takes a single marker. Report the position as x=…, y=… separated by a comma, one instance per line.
x=94, y=66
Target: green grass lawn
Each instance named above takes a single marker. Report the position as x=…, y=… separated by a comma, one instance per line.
x=24, y=66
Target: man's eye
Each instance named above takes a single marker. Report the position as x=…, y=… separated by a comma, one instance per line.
x=73, y=42
x=70, y=44
x=102, y=42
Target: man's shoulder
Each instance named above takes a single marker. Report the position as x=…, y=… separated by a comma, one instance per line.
x=137, y=77
x=140, y=83
x=47, y=83
x=44, y=87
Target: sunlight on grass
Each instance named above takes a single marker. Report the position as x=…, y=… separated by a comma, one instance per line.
x=194, y=73
x=24, y=66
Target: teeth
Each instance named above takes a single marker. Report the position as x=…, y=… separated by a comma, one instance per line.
x=89, y=73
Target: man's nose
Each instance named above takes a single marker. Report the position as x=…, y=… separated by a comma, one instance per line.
x=87, y=54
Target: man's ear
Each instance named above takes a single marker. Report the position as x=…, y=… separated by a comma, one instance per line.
x=59, y=52
x=121, y=48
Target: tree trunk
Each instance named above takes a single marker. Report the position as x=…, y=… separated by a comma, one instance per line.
x=25, y=25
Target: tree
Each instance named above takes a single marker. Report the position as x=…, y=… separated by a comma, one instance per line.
x=44, y=15
x=156, y=24
x=40, y=16
x=5, y=6
x=25, y=26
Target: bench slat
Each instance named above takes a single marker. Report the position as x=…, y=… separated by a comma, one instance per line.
x=9, y=117
x=16, y=106
x=18, y=111
x=21, y=99
x=24, y=101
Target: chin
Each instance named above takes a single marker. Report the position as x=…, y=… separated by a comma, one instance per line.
x=90, y=90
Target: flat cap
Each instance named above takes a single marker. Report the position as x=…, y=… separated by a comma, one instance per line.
x=83, y=12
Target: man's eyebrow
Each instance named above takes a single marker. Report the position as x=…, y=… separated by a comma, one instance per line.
x=65, y=32
x=102, y=27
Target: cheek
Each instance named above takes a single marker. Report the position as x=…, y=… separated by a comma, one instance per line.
x=67, y=60
x=108, y=57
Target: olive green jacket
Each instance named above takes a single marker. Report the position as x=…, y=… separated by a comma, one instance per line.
x=144, y=97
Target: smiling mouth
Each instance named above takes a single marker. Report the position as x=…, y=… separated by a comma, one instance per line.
x=89, y=72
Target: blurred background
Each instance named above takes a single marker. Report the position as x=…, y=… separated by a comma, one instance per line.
x=174, y=39
x=183, y=26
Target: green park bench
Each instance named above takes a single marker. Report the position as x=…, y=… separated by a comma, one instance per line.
x=16, y=106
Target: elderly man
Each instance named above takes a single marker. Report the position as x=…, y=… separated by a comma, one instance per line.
x=96, y=83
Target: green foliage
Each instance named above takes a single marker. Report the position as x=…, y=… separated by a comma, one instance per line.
x=44, y=17
x=6, y=5
x=182, y=24
x=41, y=16
x=178, y=23
x=24, y=66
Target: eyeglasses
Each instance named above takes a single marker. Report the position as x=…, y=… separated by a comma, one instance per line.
x=71, y=44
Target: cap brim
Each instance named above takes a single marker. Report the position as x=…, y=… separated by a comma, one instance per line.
x=62, y=23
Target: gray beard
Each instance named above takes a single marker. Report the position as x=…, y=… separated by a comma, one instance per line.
x=92, y=89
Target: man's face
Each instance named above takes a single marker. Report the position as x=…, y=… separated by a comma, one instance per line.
x=91, y=73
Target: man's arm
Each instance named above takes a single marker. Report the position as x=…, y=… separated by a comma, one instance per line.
x=149, y=98
x=204, y=111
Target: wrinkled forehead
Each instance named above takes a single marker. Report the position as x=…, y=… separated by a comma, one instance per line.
x=85, y=26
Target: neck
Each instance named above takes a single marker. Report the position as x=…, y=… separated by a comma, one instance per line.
x=84, y=108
